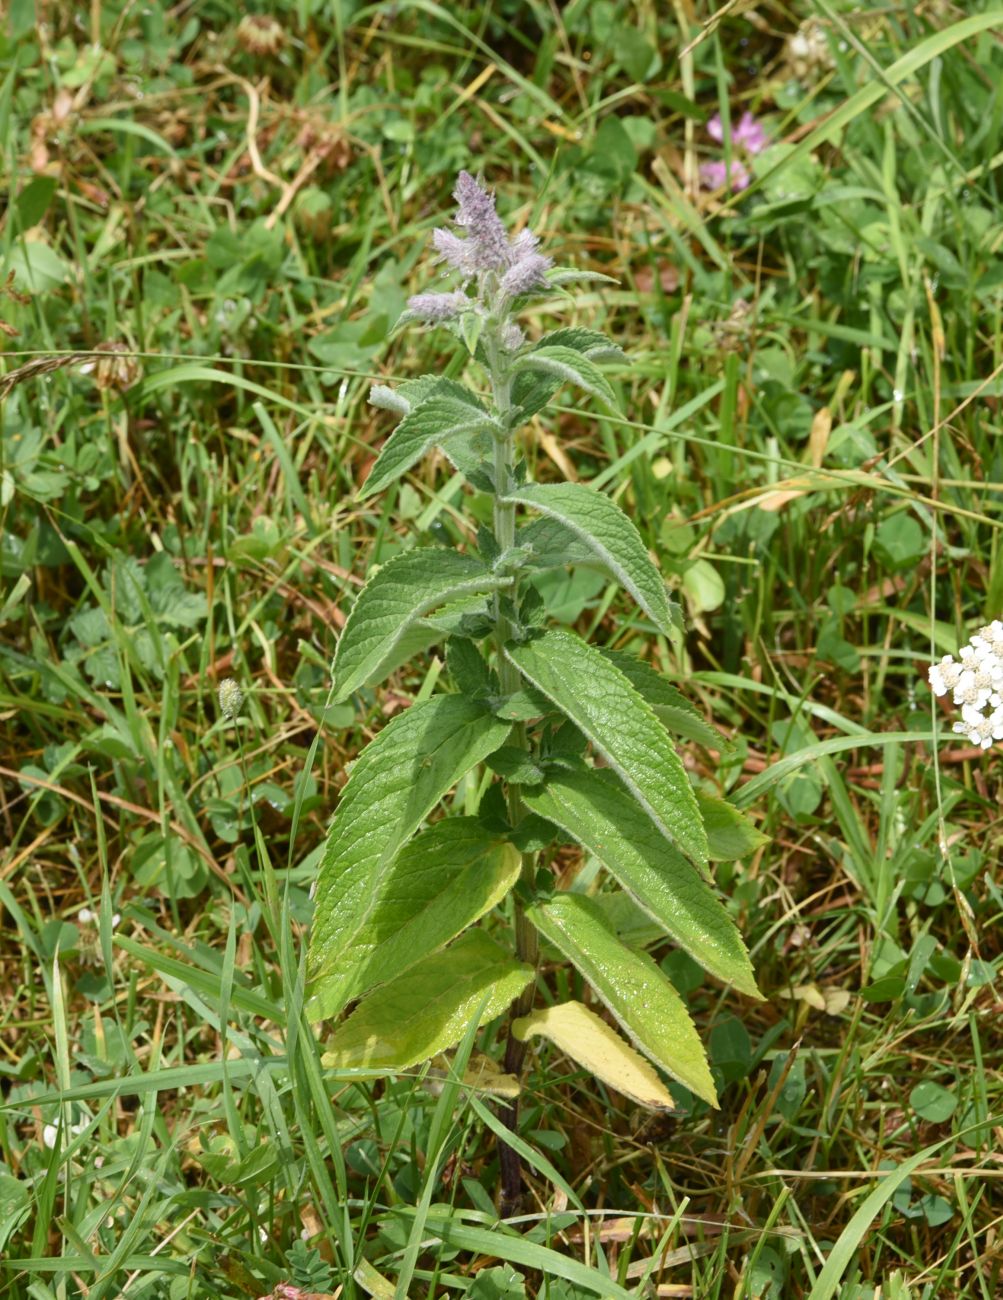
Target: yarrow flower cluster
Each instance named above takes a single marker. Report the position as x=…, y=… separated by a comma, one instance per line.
x=748, y=138
x=976, y=685
x=503, y=268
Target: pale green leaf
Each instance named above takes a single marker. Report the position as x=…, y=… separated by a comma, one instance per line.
x=599, y=699
x=631, y=986
x=672, y=708
x=438, y=884
x=394, y=784
x=430, y=1008
x=602, y=817
x=730, y=834
x=590, y=343
x=600, y=524
x=558, y=275
x=393, y=600
x=591, y=1043
x=450, y=412
x=571, y=367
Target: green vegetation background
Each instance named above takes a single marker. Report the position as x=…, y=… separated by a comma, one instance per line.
x=235, y=213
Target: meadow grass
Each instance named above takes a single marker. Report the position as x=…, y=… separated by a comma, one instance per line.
x=811, y=449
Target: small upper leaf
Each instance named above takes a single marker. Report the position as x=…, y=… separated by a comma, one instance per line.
x=393, y=600
x=600, y=524
x=395, y=782
x=571, y=367
x=599, y=699
x=430, y=1008
x=629, y=983
x=449, y=412
x=589, y=1041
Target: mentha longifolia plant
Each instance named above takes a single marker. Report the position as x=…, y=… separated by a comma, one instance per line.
x=568, y=742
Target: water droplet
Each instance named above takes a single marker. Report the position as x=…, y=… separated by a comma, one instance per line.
x=897, y=394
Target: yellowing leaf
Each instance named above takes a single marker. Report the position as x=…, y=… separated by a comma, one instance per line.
x=429, y=1008
x=580, y=1034
x=481, y=1075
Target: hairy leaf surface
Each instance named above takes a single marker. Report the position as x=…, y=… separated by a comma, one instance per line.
x=396, y=781
x=533, y=389
x=642, y=998
x=602, y=817
x=393, y=600
x=601, y=525
x=674, y=710
x=568, y=366
x=447, y=877
x=590, y=1042
x=601, y=702
x=430, y=1008
x=450, y=412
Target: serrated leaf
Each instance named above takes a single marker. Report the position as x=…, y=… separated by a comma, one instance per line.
x=449, y=412
x=442, y=881
x=429, y=1009
x=569, y=367
x=393, y=601
x=466, y=666
x=602, y=817
x=599, y=699
x=631, y=986
x=590, y=343
x=516, y=766
x=552, y=545
x=591, y=1043
x=395, y=783
x=670, y=705
x=730, y=834
x=600, y=524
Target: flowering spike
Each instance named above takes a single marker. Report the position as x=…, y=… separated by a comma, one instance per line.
x=486, y=230
x=525, y=275
x=437, y=307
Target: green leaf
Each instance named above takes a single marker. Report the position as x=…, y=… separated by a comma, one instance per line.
x=430, y=1008
x=449, y=412
x=569, y=367
x=591, y=1043
x=601, y=525
x=516, y=766
x=554, y=546
x=599, y=699
x=558, y=275
x=602, y=817
x=672, y=708
x=590, y=343
x=932, y=1102
x=730, y=835
x=631, y=986
x=438, y=884
x=396, y=781
x=393, y=600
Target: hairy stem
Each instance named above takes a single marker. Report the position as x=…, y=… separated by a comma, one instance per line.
x=526, y=940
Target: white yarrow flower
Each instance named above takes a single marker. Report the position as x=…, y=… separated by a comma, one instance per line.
x=975, y=683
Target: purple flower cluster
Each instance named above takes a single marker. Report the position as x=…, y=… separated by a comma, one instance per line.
x=747, y=138
x=503, y=268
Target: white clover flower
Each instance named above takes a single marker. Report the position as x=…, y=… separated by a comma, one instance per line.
x=50, y=1132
